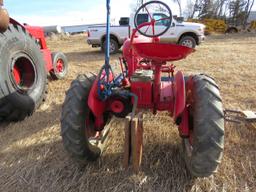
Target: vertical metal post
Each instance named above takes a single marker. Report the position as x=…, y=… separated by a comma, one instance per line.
x=107, y=55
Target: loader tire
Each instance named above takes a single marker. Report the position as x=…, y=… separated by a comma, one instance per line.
x=204, y=149
x=77, y=119
x=23, y=78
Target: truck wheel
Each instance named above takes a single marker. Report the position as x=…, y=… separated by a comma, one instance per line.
x=114, y=47
x=232, y=30
x=23, y=78
x=203, y=149
x=77, y=122
x=60, y=65
x=188, y=41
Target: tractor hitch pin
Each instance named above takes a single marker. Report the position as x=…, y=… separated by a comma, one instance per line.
x=236, y=116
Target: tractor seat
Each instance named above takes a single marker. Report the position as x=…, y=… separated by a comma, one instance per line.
x=161, y=52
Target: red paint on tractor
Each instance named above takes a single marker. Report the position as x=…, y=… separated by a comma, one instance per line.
x=60, y=65
x=166, y=97
x=161, y=52
x=23, y=73
x=17, y=75
x=184, y=125
x=117, y=106
x=130, y=56
x=47, y=55
x=111, y=76
x=38, y=34
x=95, y=104
x=180, y=95
x=143, y=90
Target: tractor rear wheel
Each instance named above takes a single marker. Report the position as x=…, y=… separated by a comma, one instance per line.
x=23, y=78
x=204, y=148
x=60, y=65
x=79, y=137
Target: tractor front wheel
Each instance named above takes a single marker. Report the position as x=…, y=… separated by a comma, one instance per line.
x=204, y=148
x=60, y=65
x=79, y=137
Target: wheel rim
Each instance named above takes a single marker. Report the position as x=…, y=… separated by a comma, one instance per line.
x=22, y=73
x=187, y=43
x=60, y=66
x=117, y=106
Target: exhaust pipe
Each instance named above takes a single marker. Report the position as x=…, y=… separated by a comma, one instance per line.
x=4, y=18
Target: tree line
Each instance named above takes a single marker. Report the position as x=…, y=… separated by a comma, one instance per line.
x=235, y=12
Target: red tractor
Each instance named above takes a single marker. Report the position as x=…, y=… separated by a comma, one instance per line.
x=194, y=102
x=24, y=63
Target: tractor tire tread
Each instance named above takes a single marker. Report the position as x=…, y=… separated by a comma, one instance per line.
x=208, y=128
x=72, y=119
x=18, y=113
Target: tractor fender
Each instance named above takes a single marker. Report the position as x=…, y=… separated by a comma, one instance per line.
x=180, y=94
x=95, y=104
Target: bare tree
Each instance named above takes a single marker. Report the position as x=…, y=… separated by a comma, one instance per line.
x=248, y=9
x=135, y=6
x=179, y=4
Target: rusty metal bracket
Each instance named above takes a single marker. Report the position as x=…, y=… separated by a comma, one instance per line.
x=237, y=116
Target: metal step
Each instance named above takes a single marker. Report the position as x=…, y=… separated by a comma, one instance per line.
x=249, y=115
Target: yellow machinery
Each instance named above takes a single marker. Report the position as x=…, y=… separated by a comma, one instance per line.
x=219, y=26
x=212, y=25
x=253, y=25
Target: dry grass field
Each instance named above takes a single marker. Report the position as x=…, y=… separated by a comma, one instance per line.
x=32, y=157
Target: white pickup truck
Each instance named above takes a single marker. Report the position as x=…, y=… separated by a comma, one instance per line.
x=184, y=33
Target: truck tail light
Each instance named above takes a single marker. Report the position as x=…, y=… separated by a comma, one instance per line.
x=88, y=33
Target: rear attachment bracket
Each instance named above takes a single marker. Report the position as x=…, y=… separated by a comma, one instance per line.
x=237, y=116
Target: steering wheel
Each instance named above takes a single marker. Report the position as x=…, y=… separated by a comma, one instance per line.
x=156, y=6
